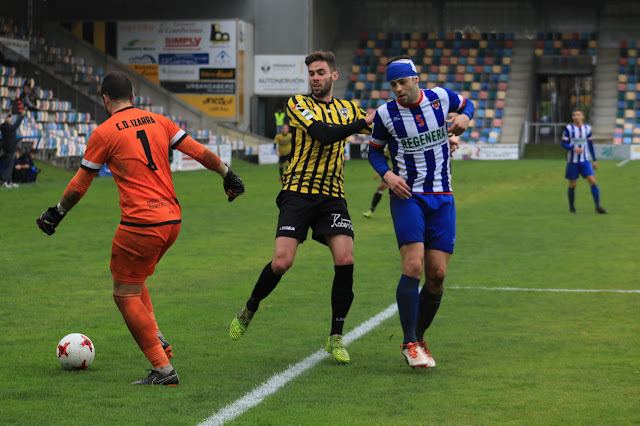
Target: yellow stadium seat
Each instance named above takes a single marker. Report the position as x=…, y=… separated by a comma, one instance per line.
x=622, y=78
x=502, y=95
x=506, y=60
x=468, y=78
x=630, y=96
x=355, y=69
x=371, y=44
x=359, y=85
x=482, y=44
x=415, y=35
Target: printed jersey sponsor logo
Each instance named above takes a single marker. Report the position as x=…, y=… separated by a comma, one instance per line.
x=423, y=141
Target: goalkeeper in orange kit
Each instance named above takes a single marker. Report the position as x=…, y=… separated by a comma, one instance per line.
x=135, y=145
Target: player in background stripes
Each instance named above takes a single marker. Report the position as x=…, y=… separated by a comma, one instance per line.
x=581, y=156
x=415, y=128
x=135, y=145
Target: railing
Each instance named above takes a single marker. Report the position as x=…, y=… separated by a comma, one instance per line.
x=542, y=132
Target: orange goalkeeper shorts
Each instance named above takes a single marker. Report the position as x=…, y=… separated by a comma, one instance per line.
x=136, y=251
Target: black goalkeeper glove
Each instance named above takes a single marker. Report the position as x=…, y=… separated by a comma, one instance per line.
x=49, y=219
x=233, y=185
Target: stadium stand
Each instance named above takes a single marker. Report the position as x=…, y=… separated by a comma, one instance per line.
x=475, y=65
x=566, y=44
x=627, y=129
x=55, y=126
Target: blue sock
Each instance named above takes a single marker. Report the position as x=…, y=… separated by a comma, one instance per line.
x=571, y=193
x=407, y=297
x=595, y=192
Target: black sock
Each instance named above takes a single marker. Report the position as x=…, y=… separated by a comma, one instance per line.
x=341, y=296
x=376, y=199
x=280, y=168
x=267, y=281
x=429, y=304
x=571, y=194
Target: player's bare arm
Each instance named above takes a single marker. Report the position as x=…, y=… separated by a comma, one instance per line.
x=458, y=124
x=369, y=118
x=397, y=185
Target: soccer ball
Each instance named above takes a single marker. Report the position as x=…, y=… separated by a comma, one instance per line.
x=75, y=352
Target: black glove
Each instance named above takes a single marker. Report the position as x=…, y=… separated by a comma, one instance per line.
x=49, y=219
x=233, y=185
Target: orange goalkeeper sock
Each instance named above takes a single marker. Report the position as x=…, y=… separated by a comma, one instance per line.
x=142, y=327
x=146, y=301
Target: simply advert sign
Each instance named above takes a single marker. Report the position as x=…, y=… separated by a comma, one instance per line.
x=179, y=50
x=280, y=75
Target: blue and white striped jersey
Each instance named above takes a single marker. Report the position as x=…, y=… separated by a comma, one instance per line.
x=417, y=138
x=578, y=137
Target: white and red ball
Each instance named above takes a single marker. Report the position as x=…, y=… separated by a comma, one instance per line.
x=75, y=352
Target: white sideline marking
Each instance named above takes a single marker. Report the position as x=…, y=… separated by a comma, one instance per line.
x=575, y=290
x=622, y=163
x=255, y=397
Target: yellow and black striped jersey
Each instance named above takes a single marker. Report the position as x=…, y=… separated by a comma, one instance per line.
x=283, y=143
x=315, y=168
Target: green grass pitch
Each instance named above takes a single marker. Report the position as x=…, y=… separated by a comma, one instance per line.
x=514, y=357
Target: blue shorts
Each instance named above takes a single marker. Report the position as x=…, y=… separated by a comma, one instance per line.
x=574, y=170
x=425, y=218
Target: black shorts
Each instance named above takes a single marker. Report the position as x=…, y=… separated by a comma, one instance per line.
x=283, y=159
x=324, y=214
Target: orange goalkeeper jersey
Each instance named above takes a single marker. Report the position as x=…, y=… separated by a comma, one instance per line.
x=135, y=145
